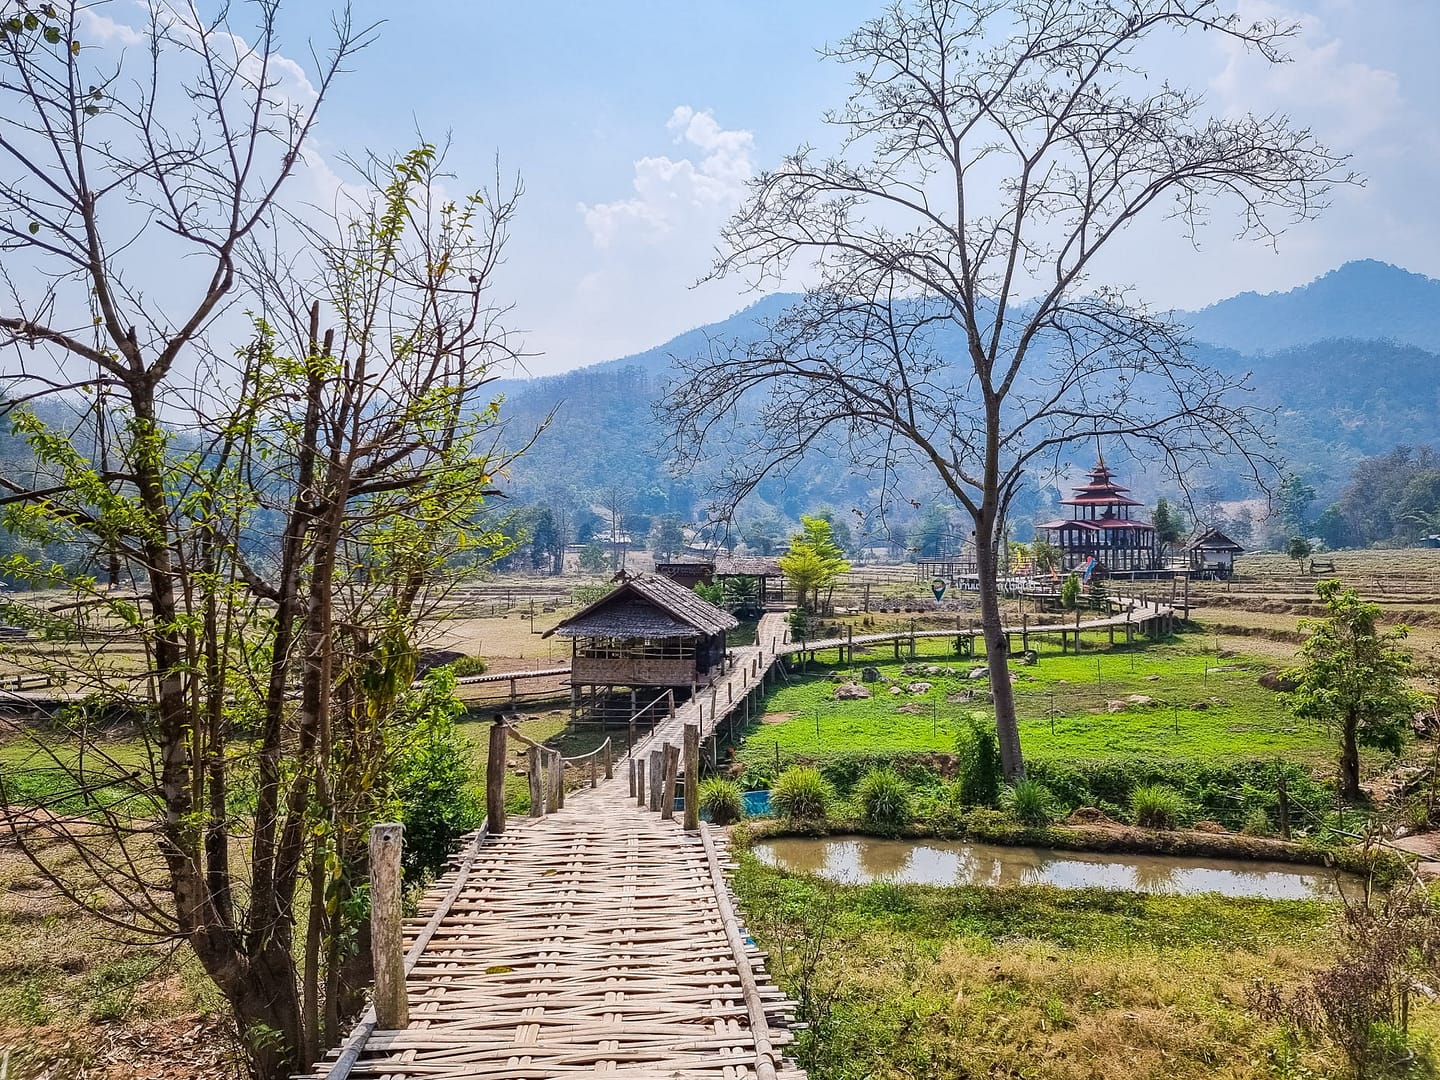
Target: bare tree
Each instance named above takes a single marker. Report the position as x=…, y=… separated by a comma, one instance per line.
x=989, y=151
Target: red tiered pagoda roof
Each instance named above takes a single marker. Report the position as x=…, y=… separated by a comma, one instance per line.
x=1100, y=491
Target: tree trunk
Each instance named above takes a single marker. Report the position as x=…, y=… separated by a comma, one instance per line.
x=996, y=656
x=1350, y=760
x=267, y=1012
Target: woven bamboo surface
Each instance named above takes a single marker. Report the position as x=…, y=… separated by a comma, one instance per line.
x=588, y=941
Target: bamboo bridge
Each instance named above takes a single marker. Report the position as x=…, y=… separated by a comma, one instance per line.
x=598, y=935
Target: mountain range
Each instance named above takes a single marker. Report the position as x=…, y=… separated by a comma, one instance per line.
x=1349, y=362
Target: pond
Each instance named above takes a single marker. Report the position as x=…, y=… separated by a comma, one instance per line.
x=859, y=860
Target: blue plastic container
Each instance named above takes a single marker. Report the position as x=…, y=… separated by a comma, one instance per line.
x=757, y=803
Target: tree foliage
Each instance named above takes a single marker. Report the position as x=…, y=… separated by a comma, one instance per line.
x=1353, y=677
x=1169, y=523
x=813, y=562
x=289, y=510
x=989, y=152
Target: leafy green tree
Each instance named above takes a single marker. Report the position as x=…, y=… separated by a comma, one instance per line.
x=1292, y=505
x=813, y=562
x=1354, y=678
x=288, y=547
x=594, y=559
x=1169, y=523
x=928, y=536
x=1299, y=549
x=761, y=534
x=547, y=545
x=666, y=537
x=1045, y=555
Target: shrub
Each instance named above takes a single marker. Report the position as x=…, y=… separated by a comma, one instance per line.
x=467, y=665
x=1070, y=592
x=1256, y=823
x=884, y=799
x=722, y=800
x=1030, y=803
x=979, y=762
x=1157, y=806
x=801, y=792
x=433, y=778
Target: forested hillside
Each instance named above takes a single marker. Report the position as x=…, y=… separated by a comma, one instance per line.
x=1343, y=362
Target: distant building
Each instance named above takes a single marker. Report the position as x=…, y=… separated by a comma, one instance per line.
x=1103, y=526
x=1214, y=553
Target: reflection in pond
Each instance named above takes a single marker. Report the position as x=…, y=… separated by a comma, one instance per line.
x=856, y=860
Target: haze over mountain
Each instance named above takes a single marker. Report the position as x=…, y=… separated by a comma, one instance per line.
x=1366, y=300
x=1349, y=362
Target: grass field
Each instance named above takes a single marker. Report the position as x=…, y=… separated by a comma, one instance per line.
x=1036, y=982
x=1200, y=705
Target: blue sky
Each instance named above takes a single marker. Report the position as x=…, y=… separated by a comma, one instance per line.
x=634, y=124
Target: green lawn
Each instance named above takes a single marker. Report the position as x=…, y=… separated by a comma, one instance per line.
x=1201, y=707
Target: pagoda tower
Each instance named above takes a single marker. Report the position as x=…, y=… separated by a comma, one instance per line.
x=1102, y=526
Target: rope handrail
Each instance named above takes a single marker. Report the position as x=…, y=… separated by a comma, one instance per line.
x=580, y=759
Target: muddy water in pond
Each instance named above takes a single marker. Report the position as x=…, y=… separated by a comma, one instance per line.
x=857, y=860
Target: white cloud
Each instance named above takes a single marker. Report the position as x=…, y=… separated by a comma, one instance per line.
x=1350, y=100
x=674, y=195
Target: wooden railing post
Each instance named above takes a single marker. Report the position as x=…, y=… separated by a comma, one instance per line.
x=631, y=777
x=593, y=766
x=387, y=946
x=672, y=770
x=537, y=782
x=692, y=776
x=557, y=779
x=495, y=777
x=638, y=767
x=609, y=753
x=657, y=777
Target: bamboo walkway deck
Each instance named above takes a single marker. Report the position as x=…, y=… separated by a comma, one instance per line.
x=597, y=940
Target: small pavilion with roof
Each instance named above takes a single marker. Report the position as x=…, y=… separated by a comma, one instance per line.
x=1213, y=553
x=649, y=631
x=1103, y=525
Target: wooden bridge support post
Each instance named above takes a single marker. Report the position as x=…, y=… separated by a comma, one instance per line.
x=537, y=783
x=640, y=765
x=387, y=944
x=630, y=738
x=692, y=777
x=495, y=777
x=608, y=755
x=672, y=770
x=630, y=779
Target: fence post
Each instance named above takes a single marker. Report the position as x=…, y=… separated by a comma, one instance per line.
x=495, y=776
x=594, y=766
x=632, y=778
x=692, y=776
x=387, y=946
x=537, y=783
x=638, y=765
x=609, y=754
